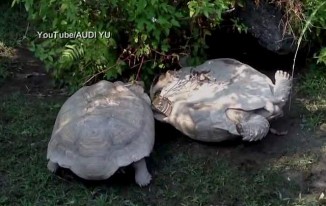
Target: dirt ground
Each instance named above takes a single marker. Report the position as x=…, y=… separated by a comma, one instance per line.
x=300, y=141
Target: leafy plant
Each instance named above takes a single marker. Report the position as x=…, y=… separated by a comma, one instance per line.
x=145, y=36
x=322, y=56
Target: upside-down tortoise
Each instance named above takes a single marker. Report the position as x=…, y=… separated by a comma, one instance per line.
x=101, y=128
x=218, y=98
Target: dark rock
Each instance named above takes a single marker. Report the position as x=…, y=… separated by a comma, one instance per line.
x=264, y=22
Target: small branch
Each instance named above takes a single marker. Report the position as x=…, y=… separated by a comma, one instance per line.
x=105, y=70
x=98, y=73
x=26, y=31
x=141, y=64
x=160, y=53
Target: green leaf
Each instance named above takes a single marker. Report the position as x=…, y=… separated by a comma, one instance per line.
x=63, y=22
x=165, y=47
x=175, y=23
x=63, y=7
x=191, y=12
x=50, y=58
x=136, y=39
x=143, y=37
x=14, y=2
x=27, y=6
x=142, y=4
x=167, y=31
x=206, y=14
x=161, y=66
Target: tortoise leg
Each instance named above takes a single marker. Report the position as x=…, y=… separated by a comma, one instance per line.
x=250, y=126
x=53, y=167
x=282, y=86
x=256, y=128
x=142, y=176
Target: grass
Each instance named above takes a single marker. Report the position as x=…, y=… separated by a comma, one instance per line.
x=299, y=162
x=313, y=88
x=182, y=174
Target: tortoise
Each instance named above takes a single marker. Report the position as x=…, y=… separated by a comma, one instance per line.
x=219, y=100
x=102, y=128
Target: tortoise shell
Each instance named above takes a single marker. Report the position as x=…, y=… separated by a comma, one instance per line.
x=101, y=128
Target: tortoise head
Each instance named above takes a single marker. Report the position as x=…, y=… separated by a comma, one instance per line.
x=161, y=81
